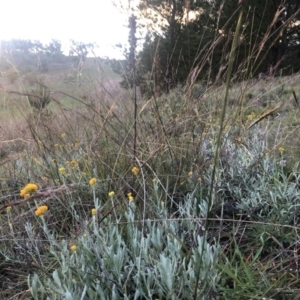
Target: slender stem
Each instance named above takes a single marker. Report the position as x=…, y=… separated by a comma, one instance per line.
x=218, y=146
x=135, y=112
x=228, y=79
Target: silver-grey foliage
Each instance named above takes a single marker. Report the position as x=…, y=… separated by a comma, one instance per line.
x=164, y=259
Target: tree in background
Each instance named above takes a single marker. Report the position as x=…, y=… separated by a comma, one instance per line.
x=191, y=40
x=161, y=63
x=270, y=32
x=54, y=49
x=32, y=54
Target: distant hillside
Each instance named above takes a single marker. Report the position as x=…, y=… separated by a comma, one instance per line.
x=80, y=77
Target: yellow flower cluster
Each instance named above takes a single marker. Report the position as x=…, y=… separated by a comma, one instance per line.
x=135, y=170
x=41, y=210
x=92, y=181
x=239, y=140
x=72, y=163
x=62, y=170
x=251, y=116
x=280, y=149
x=28, y=189
x=130, y=197
x=94, y=211
x=111, y=194
x=73, y=248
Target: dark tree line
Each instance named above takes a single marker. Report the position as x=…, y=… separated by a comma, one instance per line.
x=190, y=40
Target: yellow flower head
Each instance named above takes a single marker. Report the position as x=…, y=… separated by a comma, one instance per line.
x=73, y=248
x=251, y=116
x=73, y=163
x=111, y=194
x=41, y=210
x=29, y=188
x=92, y=181
x=8, y=208
x=135, y=170
x=130, y=197
x=94, y=211
x=280, y=149
x=239, y=139
x=63, y=135
x=62, y=170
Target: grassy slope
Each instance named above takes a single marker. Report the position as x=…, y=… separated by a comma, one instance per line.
x=95, y=77
x=254, y=216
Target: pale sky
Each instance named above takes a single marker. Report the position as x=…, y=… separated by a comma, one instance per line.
x=82, y=20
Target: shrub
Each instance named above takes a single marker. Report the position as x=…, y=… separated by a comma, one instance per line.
x=132, y=259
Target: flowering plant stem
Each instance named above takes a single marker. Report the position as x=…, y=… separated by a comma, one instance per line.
x=216, y=156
